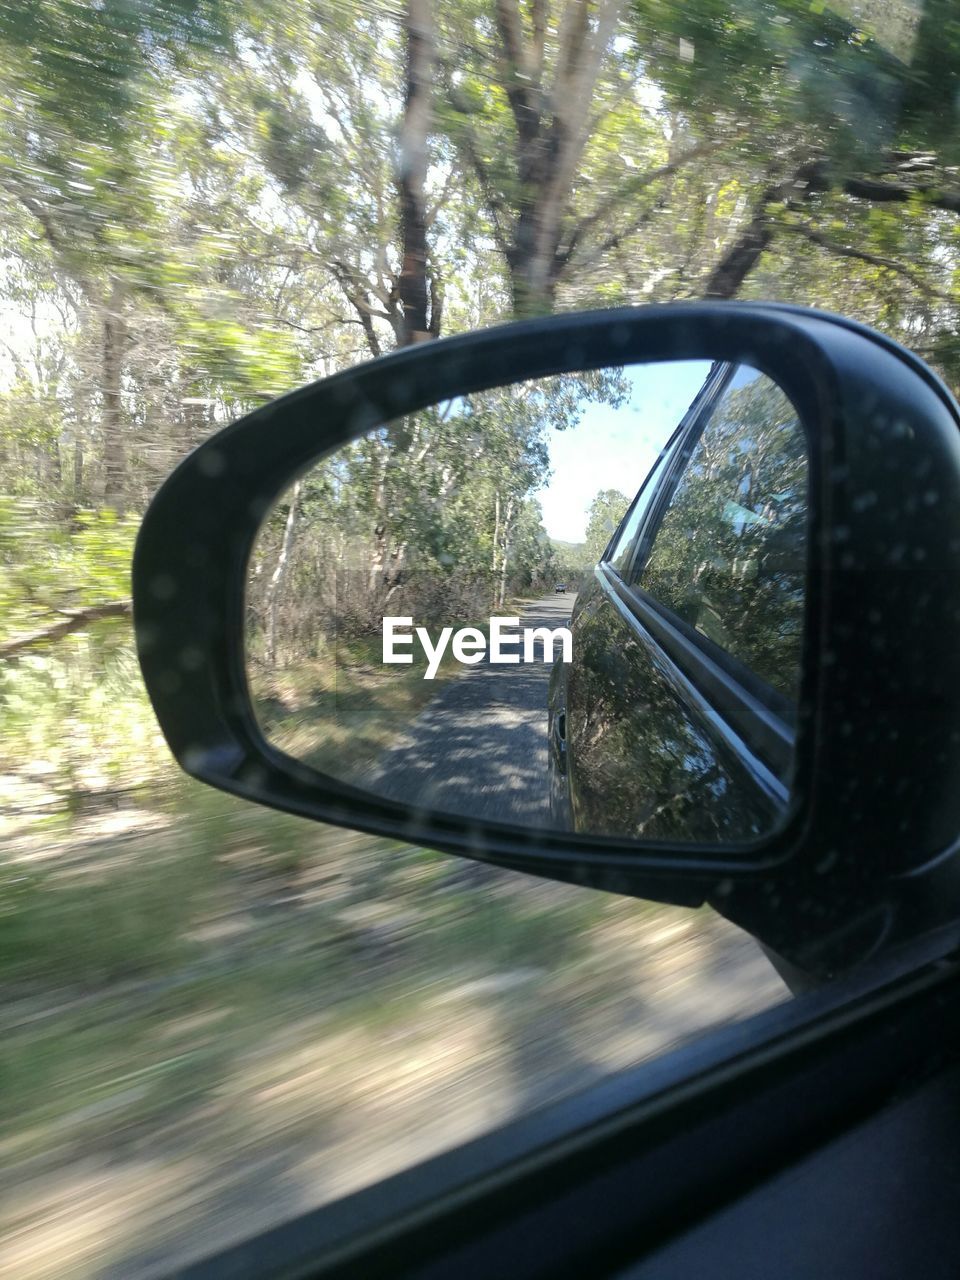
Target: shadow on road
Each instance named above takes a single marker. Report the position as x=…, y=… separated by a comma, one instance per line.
x=480, y=748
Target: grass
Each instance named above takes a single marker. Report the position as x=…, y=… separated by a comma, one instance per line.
x=96, y=926
x=134, y=984
x=137, y=972
x=226, y=1012
x=340, y=711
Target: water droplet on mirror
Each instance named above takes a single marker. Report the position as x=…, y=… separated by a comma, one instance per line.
x=211, y=462
x=163, y=587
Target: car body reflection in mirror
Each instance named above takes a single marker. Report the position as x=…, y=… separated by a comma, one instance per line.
x=706, y=575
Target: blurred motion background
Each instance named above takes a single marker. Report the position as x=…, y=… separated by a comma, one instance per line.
x=214, y=1016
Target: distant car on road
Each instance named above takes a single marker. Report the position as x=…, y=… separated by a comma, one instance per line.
x=561, y=586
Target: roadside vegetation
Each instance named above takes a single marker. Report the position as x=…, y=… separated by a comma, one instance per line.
x=339, y=711
x=235, y=1000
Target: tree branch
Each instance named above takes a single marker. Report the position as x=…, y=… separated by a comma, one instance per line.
x=743, y=255
x=521, y=89
x=412, y=285
x=574, y=87
x=885, y=191
x=631, y=188
x=75, y=621
x=52, y=236
x=315, y=328
x=900, y=192
x=499, y=214
x=354, y=292
x=874, y=259
x=538, y=18
x=355, y=289
x=441, y=197
x=616, y=239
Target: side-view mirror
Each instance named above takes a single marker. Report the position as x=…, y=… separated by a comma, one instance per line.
x=661, y=601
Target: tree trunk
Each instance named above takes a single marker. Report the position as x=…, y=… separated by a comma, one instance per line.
x=743, y=255
x=505, y=553
x=496, y=532
x=552, y=128
x=415, y=291
x=77, y=471
x=53, y=464
x=114, y=335
x=194, y=408
x=279, y=573
x=381, y=533
x=533, y=283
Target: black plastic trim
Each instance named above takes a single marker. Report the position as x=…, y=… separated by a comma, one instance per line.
x=192, y=551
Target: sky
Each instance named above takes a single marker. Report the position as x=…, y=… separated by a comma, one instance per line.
x=616, y=448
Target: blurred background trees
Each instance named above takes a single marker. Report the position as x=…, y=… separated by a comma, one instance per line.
x=207, y=202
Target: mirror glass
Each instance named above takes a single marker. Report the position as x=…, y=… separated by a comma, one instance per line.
x=575, y=602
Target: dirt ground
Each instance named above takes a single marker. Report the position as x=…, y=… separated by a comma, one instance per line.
x=317, y=1011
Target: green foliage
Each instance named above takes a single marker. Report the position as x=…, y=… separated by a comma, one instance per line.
x=729, y=555
x=792, y=70
x=604, y=515
x=75, y=716
x=571, y=557
x=432, y=515
x=211, y=189
x=48, y=566
x=198, y=210
x=93, y=928
x=76, y=724
x=930, y=103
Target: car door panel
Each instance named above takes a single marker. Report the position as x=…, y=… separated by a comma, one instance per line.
x=640, y=758
x=664, y=736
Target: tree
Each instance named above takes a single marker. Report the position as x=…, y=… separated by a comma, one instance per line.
x=206, y=205
x=543, y=106
x=604, y=515
x=729, y=553
x=834, y=114
x=337, y=106
x=97, y=164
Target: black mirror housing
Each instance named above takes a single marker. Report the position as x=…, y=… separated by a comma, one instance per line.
x=872, y=831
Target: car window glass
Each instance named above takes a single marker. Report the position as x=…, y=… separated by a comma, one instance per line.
x=622, y=551
x=218, y=1015
x=729, y=555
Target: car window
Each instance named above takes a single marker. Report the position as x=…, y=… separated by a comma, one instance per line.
x=621, y=553
x=217, y=1015
x=623, y=549
x=729, y=556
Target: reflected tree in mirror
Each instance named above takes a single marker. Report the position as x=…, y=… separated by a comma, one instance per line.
x=729, y=557
x=434, y=516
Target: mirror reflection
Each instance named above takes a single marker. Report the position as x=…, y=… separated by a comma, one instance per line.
x=573, y=602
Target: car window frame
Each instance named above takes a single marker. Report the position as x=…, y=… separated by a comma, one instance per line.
x=763, y=721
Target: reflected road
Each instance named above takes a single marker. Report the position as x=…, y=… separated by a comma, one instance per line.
x=480, y=748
